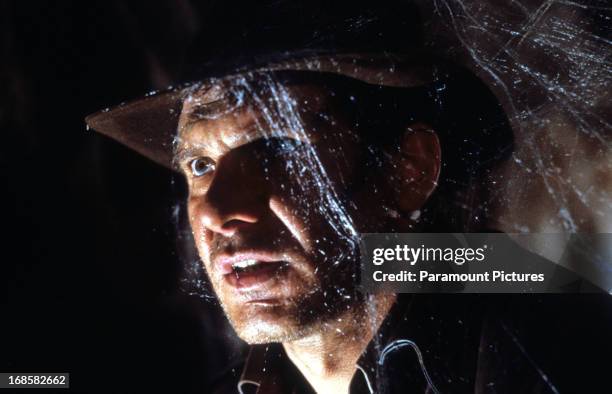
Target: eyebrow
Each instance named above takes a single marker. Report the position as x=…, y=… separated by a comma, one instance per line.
x=181, y=155
x=249, y=134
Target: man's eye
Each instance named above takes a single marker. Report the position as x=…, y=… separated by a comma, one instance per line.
x=202, y=166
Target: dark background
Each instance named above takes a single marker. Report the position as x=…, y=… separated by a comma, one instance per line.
x=89, y=281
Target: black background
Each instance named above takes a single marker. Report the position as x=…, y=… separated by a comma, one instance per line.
x=89, y=281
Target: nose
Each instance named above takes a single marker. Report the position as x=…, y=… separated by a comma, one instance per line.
x=222, y=222
x=235, y=199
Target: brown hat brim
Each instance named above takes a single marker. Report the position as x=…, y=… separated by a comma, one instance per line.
x=148, y=125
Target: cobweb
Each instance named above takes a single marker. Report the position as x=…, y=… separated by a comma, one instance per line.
x=549, y=62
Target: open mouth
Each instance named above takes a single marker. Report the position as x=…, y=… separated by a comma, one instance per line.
x=249, y=273
x=246, y=266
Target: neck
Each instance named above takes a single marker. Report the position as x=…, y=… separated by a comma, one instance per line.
x=328, y=357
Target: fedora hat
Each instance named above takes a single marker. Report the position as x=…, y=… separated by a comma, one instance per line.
x=376, y=43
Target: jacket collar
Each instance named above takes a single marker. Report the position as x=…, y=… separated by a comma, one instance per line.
x=427, y=343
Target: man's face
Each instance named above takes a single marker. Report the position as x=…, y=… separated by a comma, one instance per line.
x=276, y=198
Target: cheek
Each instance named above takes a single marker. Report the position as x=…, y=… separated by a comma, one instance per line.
x=200, y=234
x=315, y=197
x=291, y=217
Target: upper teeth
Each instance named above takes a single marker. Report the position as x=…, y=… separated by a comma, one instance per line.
x=245, y=263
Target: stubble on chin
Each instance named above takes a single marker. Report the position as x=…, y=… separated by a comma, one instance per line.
x=295, y=322
x=263, y=327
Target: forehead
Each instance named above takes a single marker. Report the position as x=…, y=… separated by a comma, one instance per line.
x=224, y=115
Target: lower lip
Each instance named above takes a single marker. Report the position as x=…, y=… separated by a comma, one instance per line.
x=249, y=280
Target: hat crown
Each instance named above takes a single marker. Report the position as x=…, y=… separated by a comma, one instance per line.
x=255, y=33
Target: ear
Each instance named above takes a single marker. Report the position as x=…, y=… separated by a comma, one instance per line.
x=415, y=167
